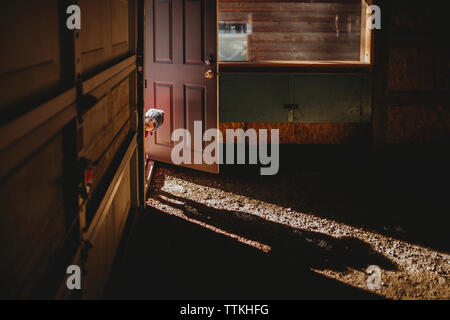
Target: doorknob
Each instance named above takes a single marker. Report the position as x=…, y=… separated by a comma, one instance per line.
x=210, y=74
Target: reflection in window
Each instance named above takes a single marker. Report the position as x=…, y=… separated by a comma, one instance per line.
x=316, y=30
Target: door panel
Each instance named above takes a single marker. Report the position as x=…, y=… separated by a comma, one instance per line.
x=193, y=32
x=164, y=99
x=68, y=175
x=29, y=241
x=34, y=50
x=105, y=236
x=162, y=35
x=180, y=35
x=104, y=34
x=194, y=107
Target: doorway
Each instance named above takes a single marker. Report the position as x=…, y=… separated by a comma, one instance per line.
x=180, y=73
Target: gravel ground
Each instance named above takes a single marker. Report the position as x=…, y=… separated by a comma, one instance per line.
x=333, y=226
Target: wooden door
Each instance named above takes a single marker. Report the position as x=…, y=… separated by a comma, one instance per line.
x=180, y=47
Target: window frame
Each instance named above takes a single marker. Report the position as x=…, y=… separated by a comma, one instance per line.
x=366, y=64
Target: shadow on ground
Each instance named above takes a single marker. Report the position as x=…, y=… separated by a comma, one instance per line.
x=402, y=194
x=172, y=258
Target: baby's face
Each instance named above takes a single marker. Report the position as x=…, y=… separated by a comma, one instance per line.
x=150, y=125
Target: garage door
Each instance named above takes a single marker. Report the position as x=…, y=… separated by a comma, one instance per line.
x=69, y=143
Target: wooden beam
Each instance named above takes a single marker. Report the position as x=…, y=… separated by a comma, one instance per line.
x=380, y=78
x=293, y=66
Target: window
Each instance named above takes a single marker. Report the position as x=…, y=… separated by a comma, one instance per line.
x=289, y=31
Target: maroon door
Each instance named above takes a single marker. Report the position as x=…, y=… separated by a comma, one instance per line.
x=180, y=48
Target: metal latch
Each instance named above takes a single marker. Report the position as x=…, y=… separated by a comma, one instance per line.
x=86, y=168
x=291, y=108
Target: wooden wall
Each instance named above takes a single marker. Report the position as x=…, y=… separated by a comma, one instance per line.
x=418, y=74
x=332, y=108
x=298, y=30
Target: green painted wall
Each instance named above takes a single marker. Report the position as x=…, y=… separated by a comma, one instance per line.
x=322, y=98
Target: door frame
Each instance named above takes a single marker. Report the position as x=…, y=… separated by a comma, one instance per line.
x=143, y=179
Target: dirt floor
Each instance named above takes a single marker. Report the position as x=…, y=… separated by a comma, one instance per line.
x=309, y=232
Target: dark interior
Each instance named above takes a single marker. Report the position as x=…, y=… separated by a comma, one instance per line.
x=363, y=126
